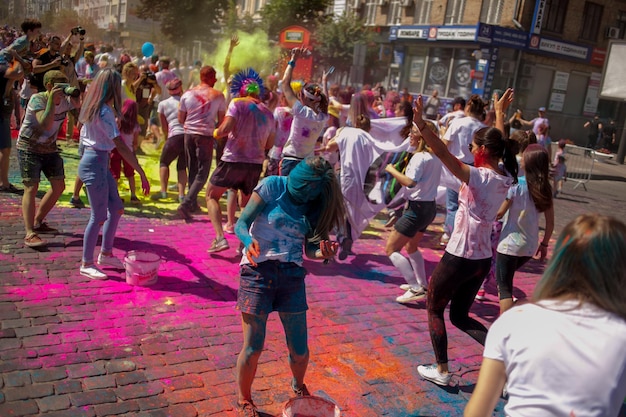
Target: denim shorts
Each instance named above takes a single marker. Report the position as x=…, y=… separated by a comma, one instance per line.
x=272, y=286
x=33, y=164
x=237, y=176
x=416, y=218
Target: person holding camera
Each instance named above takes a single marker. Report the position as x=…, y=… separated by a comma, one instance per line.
x=146, y=91
x=38, y=152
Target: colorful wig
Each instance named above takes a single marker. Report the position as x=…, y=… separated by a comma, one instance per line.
x=245, y=83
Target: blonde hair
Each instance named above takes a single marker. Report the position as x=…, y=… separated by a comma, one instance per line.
x=128, y=67
x=106, y=87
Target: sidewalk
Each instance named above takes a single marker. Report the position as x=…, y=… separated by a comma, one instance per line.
x=70, y=346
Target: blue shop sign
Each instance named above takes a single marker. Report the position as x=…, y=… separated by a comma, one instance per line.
x=501, y=36
x=558, y=48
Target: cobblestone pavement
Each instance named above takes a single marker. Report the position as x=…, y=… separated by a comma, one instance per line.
x=70, y=346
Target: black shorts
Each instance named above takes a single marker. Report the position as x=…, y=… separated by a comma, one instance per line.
x=237, y=176
x=174, y=149
x=416, y=218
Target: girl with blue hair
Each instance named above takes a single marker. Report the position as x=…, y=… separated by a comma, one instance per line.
x=283, y=215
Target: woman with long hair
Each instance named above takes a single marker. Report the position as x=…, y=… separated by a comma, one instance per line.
x=467, y=258
x=421, y=179
x=564, y=354
x=99, y=136
x=283, y=215
x=129, y=131
x=519, y=239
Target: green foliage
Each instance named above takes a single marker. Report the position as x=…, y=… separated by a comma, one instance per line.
x=335, y=40
x=278, y=14
x=183, y=21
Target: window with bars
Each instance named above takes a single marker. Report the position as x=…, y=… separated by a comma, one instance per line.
x=454, y=12
x=554, y=15
x=422, y=11
x=491, y=11
x=592, y=17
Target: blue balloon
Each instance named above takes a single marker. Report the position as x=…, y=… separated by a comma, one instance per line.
x=147, y=49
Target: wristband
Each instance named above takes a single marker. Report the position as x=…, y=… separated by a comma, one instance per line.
x=215, y=134
x=292, y=63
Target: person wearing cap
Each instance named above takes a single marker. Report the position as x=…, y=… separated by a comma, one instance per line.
x=174, y=147
x=250, y=129
x=541, y=119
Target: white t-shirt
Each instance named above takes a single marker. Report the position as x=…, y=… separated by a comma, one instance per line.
x=169, y=109
x=520, y=233
x=129, y=138
x=283, y=118
x=163, y=77
x=305, y=129
x=479, y=201
x=202, y=104
x=425, y=170
x=538, y=121
x=31, y=137
x=449, y=117
x=560, y=359
x=460, y=134
x=100, y=132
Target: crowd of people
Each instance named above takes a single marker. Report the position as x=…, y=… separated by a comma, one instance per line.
x=284, y=154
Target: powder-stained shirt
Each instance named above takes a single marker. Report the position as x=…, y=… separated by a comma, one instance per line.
x=100, y=132
x=254, y=124
x=169, y=109
x=282, y=226
x=305, y=129
x=479, y=201
x=425, y=170
x=284, y=118
x=32, y=137
x=202, y=105
x=520, y=233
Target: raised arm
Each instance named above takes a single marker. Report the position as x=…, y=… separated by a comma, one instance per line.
x=501, y=104
x=455, y=166
x=234, y=41
x=288, y=92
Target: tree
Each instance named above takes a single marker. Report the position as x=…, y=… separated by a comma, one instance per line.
x=335, y=40
x=183, y=21
x=278, y=14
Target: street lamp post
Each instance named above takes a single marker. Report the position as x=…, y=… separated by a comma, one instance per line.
x=199, y=55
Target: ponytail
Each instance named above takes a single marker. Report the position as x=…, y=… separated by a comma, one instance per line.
x=509, y=159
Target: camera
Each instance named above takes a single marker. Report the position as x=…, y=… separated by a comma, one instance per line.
x=78, y=31
x=68, y=90
x=150, y=75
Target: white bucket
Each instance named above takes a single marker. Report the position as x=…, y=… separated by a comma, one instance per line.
x=310, y=406
x=142, y=268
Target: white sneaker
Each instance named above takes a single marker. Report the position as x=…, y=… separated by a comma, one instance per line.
x=218, y=245
x=92, y=272
x=445, y=238
x=412, y=295
x=112, y=261
x=430, y=373
x=405, y=287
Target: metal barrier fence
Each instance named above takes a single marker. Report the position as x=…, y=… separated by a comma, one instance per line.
x=579, y=163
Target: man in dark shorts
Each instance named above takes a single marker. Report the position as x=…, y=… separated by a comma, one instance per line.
x=250, y=128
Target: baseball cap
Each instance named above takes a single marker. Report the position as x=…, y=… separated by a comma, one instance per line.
x=542, y=109
x=173, y=84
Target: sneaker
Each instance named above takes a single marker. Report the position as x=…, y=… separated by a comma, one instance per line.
x=219, y=244
x=134, y=200
x=92, y=272
x=412, y=295
x=173, y=187
x=247, y=409
x=445, y=238
x=345, y=248
x=480, y=295
x=303, y=391
x=405, y=287
x=32, y=240
x=229, y=228
x=161, y=195
x=184, y=212
x=505, y=391
x=43, y=227
x=110, y=260
x=77, y=203
x=430, y=373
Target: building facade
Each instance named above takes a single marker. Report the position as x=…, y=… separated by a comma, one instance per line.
x=551, y=51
